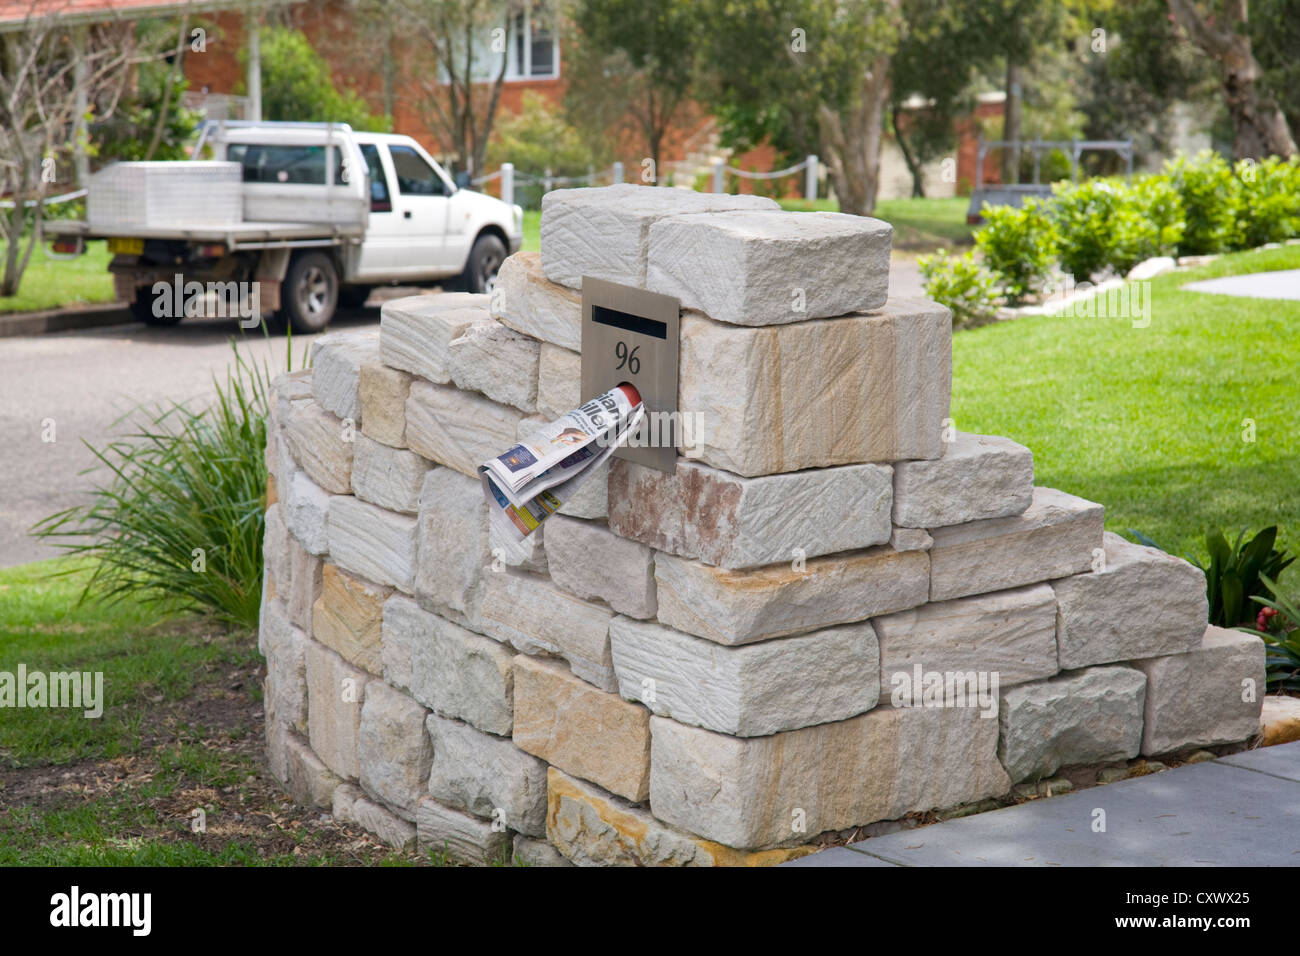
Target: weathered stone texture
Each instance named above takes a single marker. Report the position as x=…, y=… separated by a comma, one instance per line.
x=583, y=731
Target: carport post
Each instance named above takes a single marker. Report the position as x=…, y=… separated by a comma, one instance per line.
x=508, y=183
x=254, y=80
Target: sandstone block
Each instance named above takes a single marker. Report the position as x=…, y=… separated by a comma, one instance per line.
x=752, y=690
x=321, y=444
x=286, y=667
x=448, y=669
x=1054, y=538
x=383, y=392
x=1087, y=716
x=533, y=616
x=335, y=692
x=559, y=381
x=454, y=546
x=336, y=361
x=373, y=543
x=604, y=231
x=308, y=780
x=487, y=776
x=1010, y=633
x=732, y=522
x=287, y=388
x=583, y=731
x=275, y=552
x=744, y=792
x=352, y=806
x=594, y=828
x=739, y=607
x=307, y=512
x=458, y=429
x=416, y=332
x=1107, y=614
x=594, y=563
x=1279, y=719
x=978, y=477
x=526, y=555
x=862, y=388
x=910, y=539
x=306, y=582
x=771, y=267
x=388, y=477
x=530, y=852
x=458, y=835
x=348, y=617
x=527, y=302
x=1208, y=696
x=394, y=752
x=490, y=358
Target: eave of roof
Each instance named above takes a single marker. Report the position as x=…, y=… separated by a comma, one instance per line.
x=16, y=15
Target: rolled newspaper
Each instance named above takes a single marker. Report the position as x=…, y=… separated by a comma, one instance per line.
x=531, y=481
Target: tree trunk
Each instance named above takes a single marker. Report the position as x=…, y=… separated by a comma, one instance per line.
x=913, y=167
x=1011, y=121
x=1260, y=127
x=851, y=141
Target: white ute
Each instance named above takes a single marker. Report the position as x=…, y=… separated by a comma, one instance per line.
x=295, y=216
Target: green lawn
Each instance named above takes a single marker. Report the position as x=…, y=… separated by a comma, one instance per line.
x=1149, y=421
x=180, y=731
x=50, y=283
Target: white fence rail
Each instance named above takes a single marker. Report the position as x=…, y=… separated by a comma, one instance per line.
x=510, y=177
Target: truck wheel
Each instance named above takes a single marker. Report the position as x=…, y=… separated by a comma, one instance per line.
x=355, y=296
x=311, y=292
x=484, y=261
x=142, y=308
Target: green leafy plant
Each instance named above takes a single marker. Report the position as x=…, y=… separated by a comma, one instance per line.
x=1019, y=245
x=1281, y=634
x=1211, y=198
x=962, y=284
x=1102, y=222
x=1270, y=200
x=180, y=520
x=1162, y=222
x=1237, y=572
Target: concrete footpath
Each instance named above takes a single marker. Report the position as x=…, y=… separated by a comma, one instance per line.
x=1240, y=810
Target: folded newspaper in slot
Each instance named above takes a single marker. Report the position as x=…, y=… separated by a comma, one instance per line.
x=530, y=482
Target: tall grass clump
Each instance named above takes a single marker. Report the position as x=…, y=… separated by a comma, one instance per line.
x=179, y=521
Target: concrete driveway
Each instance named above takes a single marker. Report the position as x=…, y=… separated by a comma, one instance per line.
x=83, y=382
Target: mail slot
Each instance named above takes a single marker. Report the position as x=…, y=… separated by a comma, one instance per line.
x=631, y=335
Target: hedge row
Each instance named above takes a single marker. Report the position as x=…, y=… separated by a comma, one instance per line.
x=1193, y=207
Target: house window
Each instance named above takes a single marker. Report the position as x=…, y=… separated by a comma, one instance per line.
x=532, y=49
x=534, y=46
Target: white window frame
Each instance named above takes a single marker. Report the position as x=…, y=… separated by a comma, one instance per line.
x=517, y=76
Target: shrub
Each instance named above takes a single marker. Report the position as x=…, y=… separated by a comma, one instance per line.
x=1105, y=223
x=1211, y=198
x=1281, y=633
x=1235, y=574
x=1158, y=202
x=180, y=520
x=962, y=284
x=536, y=139
x=1019, y=245
x=1270, y=200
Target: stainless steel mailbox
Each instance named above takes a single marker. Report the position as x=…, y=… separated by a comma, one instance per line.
x=631, y=335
